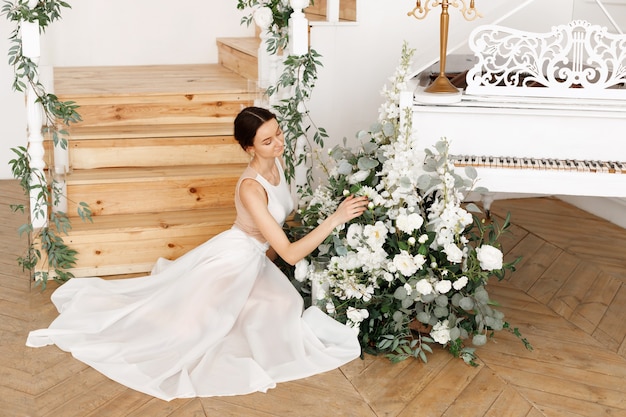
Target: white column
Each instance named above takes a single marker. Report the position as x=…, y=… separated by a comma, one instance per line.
x=299, y=45
x=298, y=28
x=34, y=118
x=332, y=11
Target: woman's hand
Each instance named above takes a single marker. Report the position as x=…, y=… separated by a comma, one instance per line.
x=350, y=208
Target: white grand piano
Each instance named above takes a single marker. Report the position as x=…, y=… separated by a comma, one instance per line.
x=541, y=113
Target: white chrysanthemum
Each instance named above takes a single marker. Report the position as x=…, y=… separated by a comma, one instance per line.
x=371, y=195
x=490, y=258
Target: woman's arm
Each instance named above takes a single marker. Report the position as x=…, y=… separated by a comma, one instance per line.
x=254, y=199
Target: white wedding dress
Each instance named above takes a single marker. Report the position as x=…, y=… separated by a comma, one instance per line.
x=220, y=320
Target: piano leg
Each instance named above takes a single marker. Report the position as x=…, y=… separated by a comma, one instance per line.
x=487, y=199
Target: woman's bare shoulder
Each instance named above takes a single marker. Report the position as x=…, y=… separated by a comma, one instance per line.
x=250, y=189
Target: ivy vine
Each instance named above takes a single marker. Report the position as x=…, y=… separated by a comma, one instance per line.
x=298, y=79
x=46, y=243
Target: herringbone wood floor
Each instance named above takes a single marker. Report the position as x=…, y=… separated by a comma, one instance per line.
x=568, y=297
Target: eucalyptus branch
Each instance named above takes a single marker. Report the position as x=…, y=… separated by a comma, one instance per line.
x=299, y=76
x=47, y=244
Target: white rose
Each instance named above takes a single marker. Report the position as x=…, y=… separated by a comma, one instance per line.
x=423, y=287
x=443, y=287
x=409, y=223
x=263, y=17
x=408, y=289
x=460, y=283
x=301, y=271
x=375, y=234
x=453, y=253
x=357, y=315
x=405, y=263
x=441, y=332
x=490, y=258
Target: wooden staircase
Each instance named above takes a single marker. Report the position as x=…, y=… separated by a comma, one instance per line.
x=154, y=157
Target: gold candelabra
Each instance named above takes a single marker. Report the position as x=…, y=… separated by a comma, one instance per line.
x=441, y=84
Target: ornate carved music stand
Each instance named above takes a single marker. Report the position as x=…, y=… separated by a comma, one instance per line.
x=441, y=90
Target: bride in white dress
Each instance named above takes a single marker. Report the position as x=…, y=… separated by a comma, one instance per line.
x=221, y=319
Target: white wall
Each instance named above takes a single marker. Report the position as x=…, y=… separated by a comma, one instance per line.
x=117, y=32
x=141, y=32
x=357, y=58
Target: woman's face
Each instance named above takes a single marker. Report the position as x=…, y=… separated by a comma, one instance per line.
x=269, y=141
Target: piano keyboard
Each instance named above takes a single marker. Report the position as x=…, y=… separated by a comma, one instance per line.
x=609, y=167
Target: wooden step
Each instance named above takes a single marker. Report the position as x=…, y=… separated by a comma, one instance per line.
x=155, y=159
x=161, y=109
x=110, y=191
x=107, y=81
x=154, y=151
x=240, y=55
x=92, y=154
x=154, y=95
x=128, y=244
x=80, y=132
x=140, y=146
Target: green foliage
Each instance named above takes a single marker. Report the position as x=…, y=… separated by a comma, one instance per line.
x=418, y=261
x=279, y=29
x=46, y=244
x=298, y=79
x=299, y=76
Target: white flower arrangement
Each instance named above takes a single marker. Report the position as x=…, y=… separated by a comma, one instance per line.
x=417, y=258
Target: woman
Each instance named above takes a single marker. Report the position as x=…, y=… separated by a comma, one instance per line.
x=222, y=319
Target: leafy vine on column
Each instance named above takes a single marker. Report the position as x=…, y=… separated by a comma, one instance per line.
x=47, y=244
x=298, y=77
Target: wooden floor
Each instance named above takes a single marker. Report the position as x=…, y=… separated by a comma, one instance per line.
x=568, y=297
